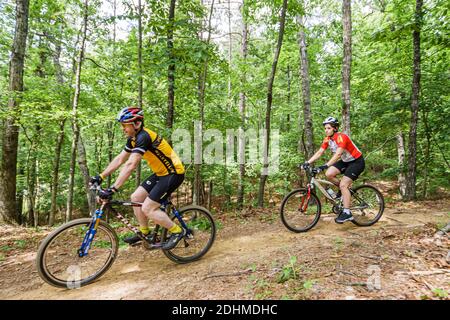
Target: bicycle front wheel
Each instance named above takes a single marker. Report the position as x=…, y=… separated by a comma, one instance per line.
x=202, y=232
x=298, y=213
x=367, y=205
x=58, y=262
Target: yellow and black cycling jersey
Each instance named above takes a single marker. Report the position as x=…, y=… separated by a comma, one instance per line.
x=159, y=155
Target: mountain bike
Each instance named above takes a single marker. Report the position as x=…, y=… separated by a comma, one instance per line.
x=82, y=250
x=301, y=208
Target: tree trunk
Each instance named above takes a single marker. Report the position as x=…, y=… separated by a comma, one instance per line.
x=59, y=140
x=140, y=79
x=110, y=126
x=306, y=90
x=412, y=145
x=171, y=70
x=20, y=218
x=242, y=101
x=287, y=126
x=32, y=177
x=55, y=178
x=75, y=127
x=230, y=55
x=10, y=136
x=401, y=164
x=210, y=190
x=264, y=173
x=346, y=63
x=201, y=103
x=428, y=157
x=82, y=162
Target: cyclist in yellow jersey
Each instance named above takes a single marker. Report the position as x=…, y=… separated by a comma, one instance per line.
x=168, y=174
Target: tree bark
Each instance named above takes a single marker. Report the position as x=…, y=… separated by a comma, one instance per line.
x=428, y=154
x=346, y=63
x=287, y=126
x=171, y=69
x=75, y=127
x=140, y=79
x=59, y=140
x=10, y=136
x=412, y=144
x=306, y=90
x=110, y=126
x=242, y=102
x=82, y=163
x=230, y=56
x=401, y=164
x=197, y=185
x=264, y=173
x=55, y=178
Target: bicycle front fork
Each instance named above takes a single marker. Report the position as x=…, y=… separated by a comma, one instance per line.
x=89, y=236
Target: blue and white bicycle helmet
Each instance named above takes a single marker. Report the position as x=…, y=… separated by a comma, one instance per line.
x=130, y=114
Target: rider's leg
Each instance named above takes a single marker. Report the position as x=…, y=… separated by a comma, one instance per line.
x=139, y=196
x=344, y=186
x=151, y=209
x=331, y=174
x=151, y=206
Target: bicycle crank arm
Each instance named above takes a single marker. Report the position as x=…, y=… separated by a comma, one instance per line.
x=151, y=246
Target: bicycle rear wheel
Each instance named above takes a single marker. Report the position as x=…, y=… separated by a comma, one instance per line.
x=299, y=214
x=367, y=205
x=200, y=239
x=57, y=259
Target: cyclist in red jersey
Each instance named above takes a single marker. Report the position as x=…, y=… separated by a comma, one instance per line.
x=347, y=159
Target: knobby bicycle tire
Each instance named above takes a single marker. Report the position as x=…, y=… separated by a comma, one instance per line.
x=50, y=278
x=286, y=221
x=380, y=211
x=172, y=253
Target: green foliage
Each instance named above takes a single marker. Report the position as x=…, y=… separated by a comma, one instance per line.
x=440, y=293
x=380, y=87
x=289, y=271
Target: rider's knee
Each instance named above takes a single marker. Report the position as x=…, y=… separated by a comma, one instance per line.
x=135, y=197
x=148, y=208
x=344, y=185
x=329, y=174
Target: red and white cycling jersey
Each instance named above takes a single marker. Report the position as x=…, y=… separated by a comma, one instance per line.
x=351, y=152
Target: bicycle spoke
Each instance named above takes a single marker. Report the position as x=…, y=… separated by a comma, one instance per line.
x=58, y=259
x=300, y=212
x=368, y=205
x=201, y=234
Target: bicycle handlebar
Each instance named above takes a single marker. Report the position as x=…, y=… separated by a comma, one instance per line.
x=309, y=169
x=95, y=187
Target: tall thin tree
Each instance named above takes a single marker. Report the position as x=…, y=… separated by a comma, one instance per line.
x=76, y=97
x=346, y=63
x=140, y=78
x=306, y=89
x=197, y=185
x=265, y=170
x=10, y=136
x=242, y=102
x=171, y=68
x=410, y=193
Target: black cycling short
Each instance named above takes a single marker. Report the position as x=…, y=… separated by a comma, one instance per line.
x=351, y=169
x=160, y=187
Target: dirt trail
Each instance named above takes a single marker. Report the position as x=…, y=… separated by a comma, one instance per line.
x=398, y=258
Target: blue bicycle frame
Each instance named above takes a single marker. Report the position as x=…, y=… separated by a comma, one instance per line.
x=90, y=234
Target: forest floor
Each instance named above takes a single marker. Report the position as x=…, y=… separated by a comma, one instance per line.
x=256, y=257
